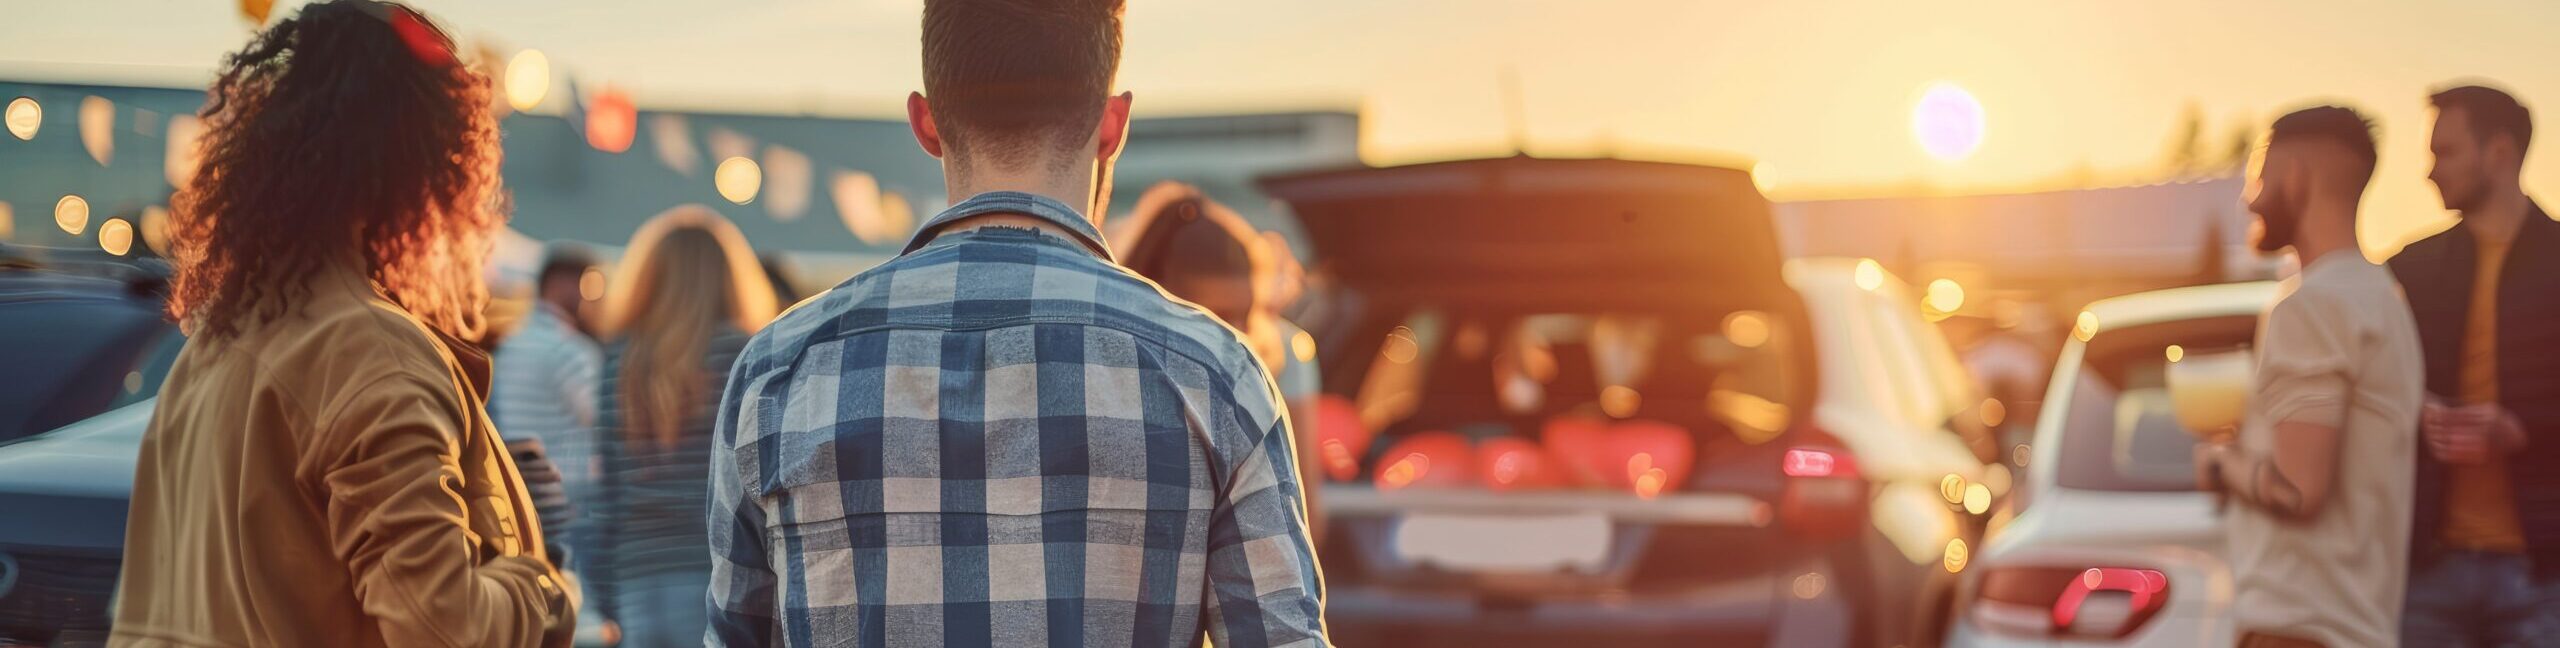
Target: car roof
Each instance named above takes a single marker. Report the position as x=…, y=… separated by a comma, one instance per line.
x=2174, y=304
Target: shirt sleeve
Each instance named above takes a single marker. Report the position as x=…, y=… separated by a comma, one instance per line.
x=741, y=599
x=2304, y=359
x=1264, y=589
x=400, y=525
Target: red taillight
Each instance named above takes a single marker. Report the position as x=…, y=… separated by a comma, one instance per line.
x=2111, y=602
x=1807, y=462
x=1824, y=498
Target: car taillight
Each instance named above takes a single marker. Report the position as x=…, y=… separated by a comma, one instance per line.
x=1428, y=460
x=1816, y=462
x=2106, y=602
x=1824, y=497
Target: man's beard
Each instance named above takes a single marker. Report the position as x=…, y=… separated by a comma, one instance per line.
x=2461, y=202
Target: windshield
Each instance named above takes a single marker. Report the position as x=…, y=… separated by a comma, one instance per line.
x=73, y=356
x=2121, y=433
x=1502, y=376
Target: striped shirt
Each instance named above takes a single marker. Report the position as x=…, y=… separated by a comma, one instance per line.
x=647, y=514
x=1003, y=438
x=543, y=389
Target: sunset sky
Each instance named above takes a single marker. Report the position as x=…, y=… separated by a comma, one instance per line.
x=1821, y=91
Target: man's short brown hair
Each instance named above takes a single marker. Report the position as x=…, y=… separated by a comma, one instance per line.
x=2493, y=112
x=1011, y=81
x=2336, y=125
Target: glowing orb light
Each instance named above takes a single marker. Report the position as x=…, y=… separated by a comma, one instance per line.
x=1948, y=121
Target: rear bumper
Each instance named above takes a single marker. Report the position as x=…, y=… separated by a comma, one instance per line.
x=2163, y=632
x=1763, y=610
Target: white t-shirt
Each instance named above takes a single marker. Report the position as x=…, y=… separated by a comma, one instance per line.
x=2338, y=348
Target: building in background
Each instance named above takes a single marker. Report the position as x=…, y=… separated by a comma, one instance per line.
x=835, y=195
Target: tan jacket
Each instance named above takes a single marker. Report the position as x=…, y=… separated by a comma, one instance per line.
x=330, y=478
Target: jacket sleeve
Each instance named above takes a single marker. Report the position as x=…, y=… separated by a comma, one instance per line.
x=398, y=511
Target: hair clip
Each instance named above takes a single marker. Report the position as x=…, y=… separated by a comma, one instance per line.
x=428, y=44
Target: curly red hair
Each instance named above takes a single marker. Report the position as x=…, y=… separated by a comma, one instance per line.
x=335, y=137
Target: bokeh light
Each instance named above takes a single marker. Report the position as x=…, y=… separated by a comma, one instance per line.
x=8, y=222
x=1400, y=347
x=1977, y=499
x=612, y=121
x=591, y=284
x=787, y=180
x=2175, y=353
x=25, y=117
x=71, y=214
x=1303, y=345
x=2085, y=327
x=1870, y=275
x=186, y=150
x=1620, y=401
x=1948, y=121
x=528, y=79
x=1746, y=329
x=1809, y=586
x=98, y=128
x=738, y=179
x=1951, y=488
x=1994, y=412
x=155, y=229
x=1945, y=295
x=116, y=236
x=1957, y=555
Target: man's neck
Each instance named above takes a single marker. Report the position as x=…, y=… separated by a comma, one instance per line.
x=2327, y=227
x=1061, y=187
x=2498, y=217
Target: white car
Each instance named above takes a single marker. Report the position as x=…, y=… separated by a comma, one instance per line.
x=2113, y=544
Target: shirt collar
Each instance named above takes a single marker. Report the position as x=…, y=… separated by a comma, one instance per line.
x=1015, y=202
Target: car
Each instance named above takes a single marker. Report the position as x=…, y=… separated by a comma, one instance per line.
x=88, y=347
x=2115, y=545
x=1589, y=402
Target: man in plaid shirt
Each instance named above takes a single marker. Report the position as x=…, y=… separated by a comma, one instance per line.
x=1002, y=437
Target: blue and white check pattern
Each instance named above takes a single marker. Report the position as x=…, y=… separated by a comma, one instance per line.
x=1002, y=438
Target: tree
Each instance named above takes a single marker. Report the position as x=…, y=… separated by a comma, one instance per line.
x=2186, y=144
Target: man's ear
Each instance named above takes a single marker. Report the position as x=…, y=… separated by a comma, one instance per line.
x=920, y=119
x=2506, y=150
x=1115, y=125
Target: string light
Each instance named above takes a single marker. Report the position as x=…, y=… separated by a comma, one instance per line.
x=25, y=117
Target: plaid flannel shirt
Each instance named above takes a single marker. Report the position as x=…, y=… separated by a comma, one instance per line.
x=1002, y=437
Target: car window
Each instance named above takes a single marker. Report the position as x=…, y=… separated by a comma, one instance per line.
x=73, y=358
x=1858, y=372
x=1924, y=402
x=1490, y=373
x=2120, y=431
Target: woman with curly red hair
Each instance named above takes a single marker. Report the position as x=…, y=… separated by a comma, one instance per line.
x=319, y=470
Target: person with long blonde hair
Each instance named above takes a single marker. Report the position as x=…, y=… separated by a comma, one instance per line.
x=319, y=470
x=685, y=298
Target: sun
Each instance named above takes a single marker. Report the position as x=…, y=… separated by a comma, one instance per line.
x=1948, y=121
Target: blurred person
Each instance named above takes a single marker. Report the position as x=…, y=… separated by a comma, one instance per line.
x=1203, y=253
x=2486, y=538
x=2320, y=469
x=1002, y=437
x=687, y=295
x=543, y=396
x=319, y=470
x=777, y=271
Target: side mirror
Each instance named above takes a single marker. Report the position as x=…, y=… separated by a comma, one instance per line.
x=2211, y=390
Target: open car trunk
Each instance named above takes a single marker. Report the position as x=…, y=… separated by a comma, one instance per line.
x=1459, y=261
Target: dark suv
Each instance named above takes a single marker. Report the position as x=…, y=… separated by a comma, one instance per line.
x=1605, y=413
